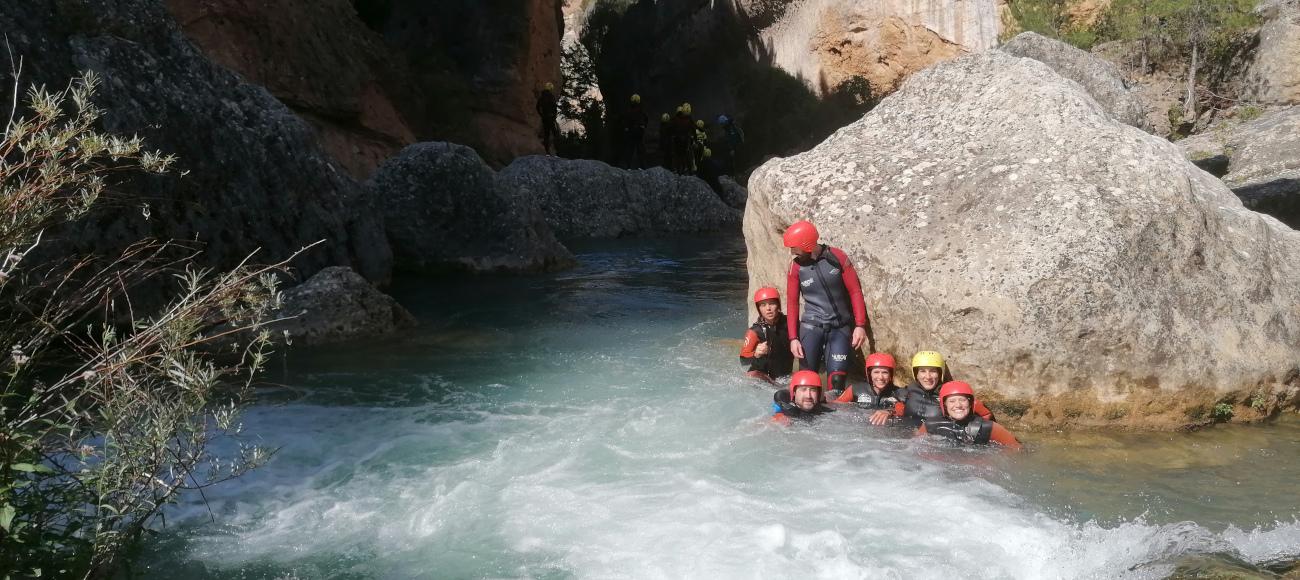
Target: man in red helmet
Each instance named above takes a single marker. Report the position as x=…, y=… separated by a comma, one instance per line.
x=766, y=351
x=834, y=319
x=803, y=400
x=960, y=424
x=880, y=392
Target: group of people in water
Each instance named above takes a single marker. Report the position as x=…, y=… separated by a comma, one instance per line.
x=824, y=337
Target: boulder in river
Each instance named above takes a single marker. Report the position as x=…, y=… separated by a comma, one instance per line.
x=338, y=305
x=1074, y=269
x=1258, y=159
x=444, y=208
x=1097, y=76
x=582, y=198
x=1274, y=75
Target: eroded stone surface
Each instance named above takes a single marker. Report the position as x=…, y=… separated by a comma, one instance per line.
x=998, y=214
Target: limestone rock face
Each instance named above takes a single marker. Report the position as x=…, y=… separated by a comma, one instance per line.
x=1056, y=256
x=338, y=305
x=1259, y=160
x=1274, y=76
x=1099, y=78
x=444, y=208
x=250, y=174
x=372, y=77
x=591, y=199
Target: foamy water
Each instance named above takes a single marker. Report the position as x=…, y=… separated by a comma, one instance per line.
x=592, y=425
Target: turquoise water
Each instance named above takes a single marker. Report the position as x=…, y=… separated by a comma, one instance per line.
x=594, y=424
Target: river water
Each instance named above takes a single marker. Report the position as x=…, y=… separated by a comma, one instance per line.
x=594, y=424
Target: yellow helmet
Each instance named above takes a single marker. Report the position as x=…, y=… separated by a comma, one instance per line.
x=680, y=110
x=548, y=86
x=686, y=108
x=927, y=358
x=636, y=98
x=699, y=124
x=708, y=152
x=665, y=118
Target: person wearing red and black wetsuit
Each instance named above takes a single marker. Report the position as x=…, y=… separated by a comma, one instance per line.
x=766, y=351
x=834, y=319
x=960, y=424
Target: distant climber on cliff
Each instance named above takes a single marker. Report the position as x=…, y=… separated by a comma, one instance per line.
x=919, y=400
x=880, y=392
x=960, y=424
x=634, y=124
x=765, y=353
x=548, y=109
x=802, y=401
x=833, y=322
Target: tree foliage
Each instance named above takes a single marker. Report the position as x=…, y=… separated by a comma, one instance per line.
x=106, y=414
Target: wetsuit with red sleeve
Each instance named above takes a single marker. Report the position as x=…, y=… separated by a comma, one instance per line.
x=832, y=308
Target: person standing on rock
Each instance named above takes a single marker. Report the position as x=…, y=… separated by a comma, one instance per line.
x=834, y=319
x=919, y=401
x=666, y=141
x=634, y=124
x=548, y=108
x=683, y=132
x=960, y=424
x=766, y=351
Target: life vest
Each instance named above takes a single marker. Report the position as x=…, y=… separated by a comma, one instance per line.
x=975, y=431
x=826, y=301
x=865, y=396
x=781, y=405
x=779, y=360
x=920, y=405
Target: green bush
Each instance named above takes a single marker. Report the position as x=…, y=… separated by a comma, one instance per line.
x=106, y=414
x=1223, y=412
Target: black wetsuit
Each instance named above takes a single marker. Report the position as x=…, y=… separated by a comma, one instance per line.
x=866, y=397
x=779, y=361
x=922, y=406
x=781, y=405
x=974, y=430
x=547, y=109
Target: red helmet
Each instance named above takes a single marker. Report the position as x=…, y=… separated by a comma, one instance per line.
x=804, y=379
x=767, y=293
x=801, y=235
x=880, y=359
x=951, y=388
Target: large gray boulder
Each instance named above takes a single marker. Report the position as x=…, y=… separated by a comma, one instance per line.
x=591, y=199
x=1274, y=75
x=1098, y=77
x=444, y=208
x=250, y=174
x=338, y=305
x=1258, y=159
x=997, y=213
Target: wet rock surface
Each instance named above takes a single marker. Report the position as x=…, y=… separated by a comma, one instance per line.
x=444, y=208
x=585, y=199
x=1069, y=265
x=338, y=305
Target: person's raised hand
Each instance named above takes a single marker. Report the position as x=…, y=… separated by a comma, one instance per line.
x=762, y=349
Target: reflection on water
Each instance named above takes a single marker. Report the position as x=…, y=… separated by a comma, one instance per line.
x=594, y=424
